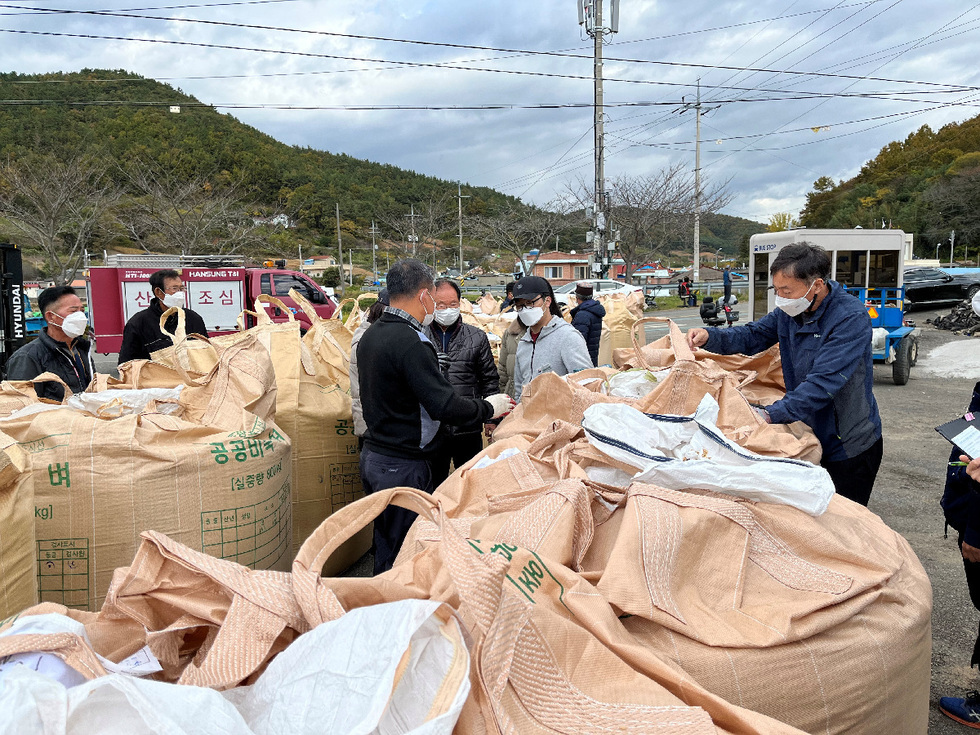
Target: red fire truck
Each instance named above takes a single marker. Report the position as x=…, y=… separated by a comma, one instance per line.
x=218, y=288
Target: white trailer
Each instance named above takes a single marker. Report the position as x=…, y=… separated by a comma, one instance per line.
x=859, y=258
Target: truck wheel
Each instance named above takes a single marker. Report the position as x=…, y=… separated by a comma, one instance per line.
x=903, y=362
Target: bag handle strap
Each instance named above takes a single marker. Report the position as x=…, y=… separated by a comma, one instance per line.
x=180, y=333
x=303, y=303
x=677, y=340
x=338, y=528
x=263, y=317
x=181, y=360
x=70, y=648
x=338, y=315
x=42, y=378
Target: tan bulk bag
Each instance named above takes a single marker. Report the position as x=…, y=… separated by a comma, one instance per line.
x=741, y=596
x=532, y=621
x=193, y=353
x=327, y=467
x=488, y=304
x=621, y=313
x=18, y=553
x=100, y=480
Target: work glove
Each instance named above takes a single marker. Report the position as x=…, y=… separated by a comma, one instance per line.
x=443, y=362
x=502, y=404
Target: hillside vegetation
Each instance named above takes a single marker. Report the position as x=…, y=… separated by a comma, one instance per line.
x=928, y=184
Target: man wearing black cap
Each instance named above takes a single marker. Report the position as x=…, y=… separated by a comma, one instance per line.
x=587, y=318
x=550, y=344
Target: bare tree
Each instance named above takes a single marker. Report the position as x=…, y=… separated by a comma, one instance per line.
x=653, y=212
x=518, y=229
x=56, y=205
x=167, y=213
x=432, y=218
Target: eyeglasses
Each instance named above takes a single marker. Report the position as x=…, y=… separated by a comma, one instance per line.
x=173, y=289
x=529, y=304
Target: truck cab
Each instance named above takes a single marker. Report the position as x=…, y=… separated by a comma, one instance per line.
x=218, y=288
x=278, y=283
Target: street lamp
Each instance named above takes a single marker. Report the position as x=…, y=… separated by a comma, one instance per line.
x=938, y=245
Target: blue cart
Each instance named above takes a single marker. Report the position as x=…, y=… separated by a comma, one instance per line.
x=896, y=341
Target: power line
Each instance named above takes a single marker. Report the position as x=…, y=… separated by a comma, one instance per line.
x=494, y=49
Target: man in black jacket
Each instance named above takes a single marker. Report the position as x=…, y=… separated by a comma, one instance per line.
x=587, y=318
x=142, y=334
x=471, y=370
x=961, y=505
x=405, y=398
x=61, y=349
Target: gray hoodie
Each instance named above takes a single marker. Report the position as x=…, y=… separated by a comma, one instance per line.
x=560, y=348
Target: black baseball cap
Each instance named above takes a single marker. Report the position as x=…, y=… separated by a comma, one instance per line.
x=530, y=288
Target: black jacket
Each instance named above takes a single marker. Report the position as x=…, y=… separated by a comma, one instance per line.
x=587, y=318
x=404, y=395
x=46, y=355
x=961, y=498
x=472, y=371
x=142, y=334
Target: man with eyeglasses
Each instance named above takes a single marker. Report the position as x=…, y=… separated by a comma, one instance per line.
x=824, y=337
x=142, y=334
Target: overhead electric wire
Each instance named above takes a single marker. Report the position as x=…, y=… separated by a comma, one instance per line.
x=495, y=49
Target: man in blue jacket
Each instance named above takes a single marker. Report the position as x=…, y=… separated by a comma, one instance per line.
x=824, y=337
x=587, y=318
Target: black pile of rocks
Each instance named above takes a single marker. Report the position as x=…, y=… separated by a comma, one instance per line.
x=961, y=320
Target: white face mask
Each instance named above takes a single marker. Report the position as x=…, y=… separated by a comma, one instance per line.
x=795, y=307
x=447, y=317
x=75, y=324
x=171, y=300
x=427, y=319
x=530, y=317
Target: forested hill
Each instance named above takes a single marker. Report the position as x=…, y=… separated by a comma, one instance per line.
x=928, y=184
x=123, y=117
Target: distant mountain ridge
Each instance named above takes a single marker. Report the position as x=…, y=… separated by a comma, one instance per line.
x=123, y=116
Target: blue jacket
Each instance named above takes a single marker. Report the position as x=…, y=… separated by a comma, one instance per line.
x=961, y=498
x=587, y=318
x=827, y=368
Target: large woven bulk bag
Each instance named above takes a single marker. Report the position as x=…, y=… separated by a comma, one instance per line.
x=102, y=476
x=18, y=553
x=326, y=466
x=742, y=597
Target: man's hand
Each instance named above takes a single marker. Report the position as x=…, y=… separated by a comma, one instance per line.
x=697, y=338
x=970, y=553
x=502, y=404
x=488, y=430
x=443, y=362
x=972, y=468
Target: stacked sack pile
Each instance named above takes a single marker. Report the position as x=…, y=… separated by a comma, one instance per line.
x=311, y=373
x=616, y=561
x=203, y=462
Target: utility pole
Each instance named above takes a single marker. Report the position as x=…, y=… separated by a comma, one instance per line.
x=698, y=109
x=350, y=252
x=413, y=238
x=460, y=198
x=340, y=250
x=374, y=251
x=590, y=16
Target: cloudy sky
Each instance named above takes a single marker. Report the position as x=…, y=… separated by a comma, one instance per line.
x=499, y=94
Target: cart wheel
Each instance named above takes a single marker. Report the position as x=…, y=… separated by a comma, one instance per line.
x=903, y=362
x=913, y=352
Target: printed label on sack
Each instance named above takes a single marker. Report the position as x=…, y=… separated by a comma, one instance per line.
x=254, y=534
x=63, y=571
x=528, y=573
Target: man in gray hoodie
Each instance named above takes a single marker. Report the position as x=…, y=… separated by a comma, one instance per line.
x=550, y=344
